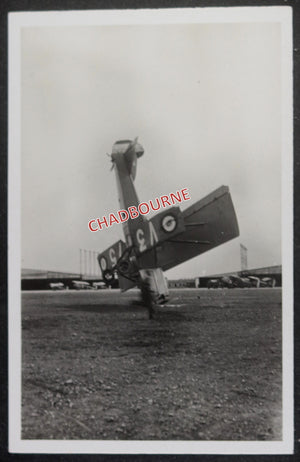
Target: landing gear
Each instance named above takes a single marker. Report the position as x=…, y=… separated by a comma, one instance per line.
x=108, y=277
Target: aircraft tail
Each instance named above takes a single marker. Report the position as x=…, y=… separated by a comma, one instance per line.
x=131, y=151
x=124, y=157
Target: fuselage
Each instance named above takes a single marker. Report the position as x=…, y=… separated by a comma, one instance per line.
x=124, y=155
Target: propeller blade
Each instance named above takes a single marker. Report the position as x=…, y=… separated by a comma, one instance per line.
x=131, y=145
x=112, y=161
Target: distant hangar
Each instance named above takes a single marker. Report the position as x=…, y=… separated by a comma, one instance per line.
x=33, y=279
x=274, y=272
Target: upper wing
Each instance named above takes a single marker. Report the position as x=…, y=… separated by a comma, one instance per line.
x=208, y=223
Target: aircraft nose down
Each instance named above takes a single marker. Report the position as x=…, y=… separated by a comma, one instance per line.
x=166, y=240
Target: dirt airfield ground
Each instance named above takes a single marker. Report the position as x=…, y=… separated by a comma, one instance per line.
x=208, y=367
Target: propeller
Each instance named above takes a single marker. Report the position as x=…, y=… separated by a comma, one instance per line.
x=112, y=161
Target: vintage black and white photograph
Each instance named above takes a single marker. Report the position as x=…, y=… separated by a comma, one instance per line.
x=150, y=210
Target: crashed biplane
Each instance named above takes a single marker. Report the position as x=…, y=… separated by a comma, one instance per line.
x=169, y=238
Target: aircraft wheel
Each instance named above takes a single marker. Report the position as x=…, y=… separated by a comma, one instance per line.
x=124, y=266
x=108, y=276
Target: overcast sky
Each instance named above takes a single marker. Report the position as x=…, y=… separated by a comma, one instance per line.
x=204, y=100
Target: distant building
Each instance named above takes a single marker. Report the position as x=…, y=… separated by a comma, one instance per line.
x=35, y=279
x=274, y=272
x=177, y=283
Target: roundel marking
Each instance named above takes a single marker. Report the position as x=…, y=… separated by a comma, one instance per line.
x=103, y=263
x=168, y=223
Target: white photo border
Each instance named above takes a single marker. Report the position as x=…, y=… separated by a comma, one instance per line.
x=17, y=21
